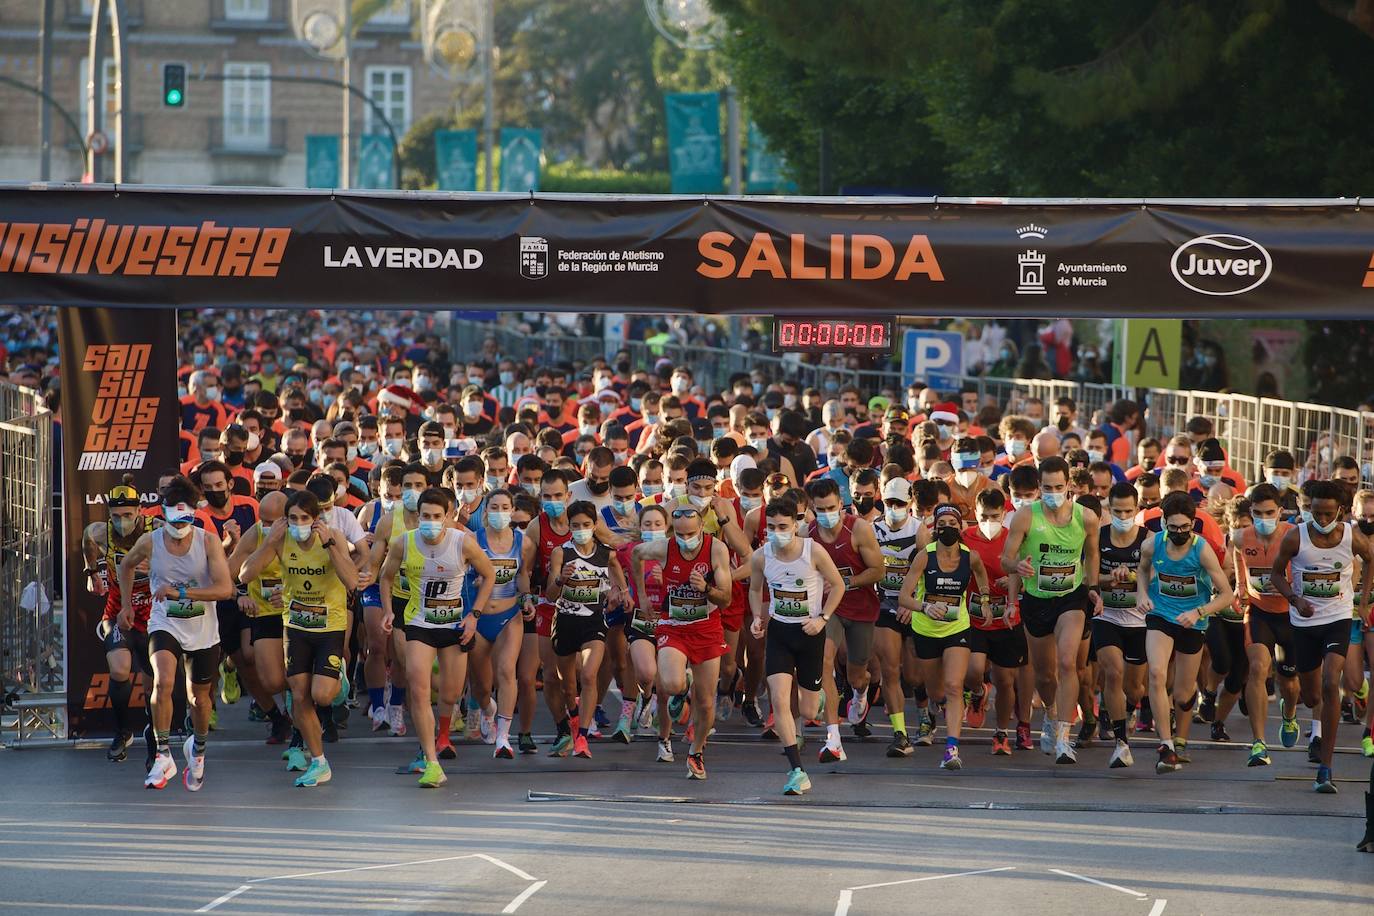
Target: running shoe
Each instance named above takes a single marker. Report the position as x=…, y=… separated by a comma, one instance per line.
x=416, y=765
x=685, y=711
x=1208, y=709
x=899, y=746
x=622, y=732
x=433, y=777
x=318, y=773
x=445, y=750
x=770, y=731
x=1024, y=742
x=194, y=777
x=377, y=715
x=1104, y=728
x=1085, y=733
x=835, y=754
x=525, y=741
x=861, y=730
x=1181, y=751
x=472, y=725
x=925, y=737
x=149, y=748
x=396, y=720
x=725, y=705
x=563, y=746
x=951, y=760
x=255, y=713
x=858, y=708
x=486, y=727
x=296, y=760
x=696, y=766
x=1121, y=756
x=750, y=710
x=1168, y=760
x=1367, y=745
x=164, y=769
x=1323, y=783
x=1289, y=732
x=600, y=718
x=976, y=712
x=580, y=748
x=1219, y=732
x=1348, y=711
x=1259, y=755
x=665, y=750
x=1064, y=750
x=229, y=689
x=119, y=747
x=1047, y=737
x=1144, y=721
x=503, y=751
x=797, y=782
x=1314, y=750
x=1001, y=745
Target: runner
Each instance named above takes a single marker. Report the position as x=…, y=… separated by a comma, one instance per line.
x=1177, y=575
x=1321, y=600
x=1361, y=642
x=899, y=535
x=403, y=517
x=317, y=573
x=387, y=503
x=265, y=615
x=545, y=534
x=933, y=597
x=187, y=572
x=797, y=589
x=1119, y=630
x=1052, y=545
x=1225, y=676
x=690, y=635
x=641, y=627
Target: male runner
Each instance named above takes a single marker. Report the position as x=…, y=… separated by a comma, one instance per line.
x=1119, y=631
x=899, y=535
x=545, y=534
x=403, y=517
x=265, y=615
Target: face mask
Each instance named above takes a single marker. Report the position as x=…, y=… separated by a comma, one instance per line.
x=948, y=536
x=388, y=505
x=1122, y=525
x=1179, y=538
x=588, y=429
x=1265, y=526
x=493, y=482
x=554, y=509
x=179, y=531
x=966, y=478
x=1018, y=503
x=507, y=378
x=750, y=503
x=622, y=458
x=651, y=419
x=344, y=366
x=635, y=404
x=652, y=489
x=603, y=383
x=1016, y=448
x=530, y=488
x=780, y=538
x=469, y=496
x=212, y=393
x=831, y=385
x=351, y=455
x=623, y=507
x=218, y=499
x=472, y=409
x=1208, y=481
x=985, y=470
x=828, y=519
x=717, y=432
x=410, y=500
x=598, y=487
x=674, y=491
x=1324, y=453
x=863, y=505
x=789, y=401
x=770, y=413
x=181, y=391
x=234, y=458
x=650, y=536
x=1305, y=516
x=394, y=447
x=1366, y=526
x=758, y=388
x=760, y=445
x=688, y=544
x=680, y=385
x=122, y=526
x=199, y=359
x=1094, y=456
x=477, y=380
x=315, y=395
x=700, y=502
x=582, y=536
x=450, y=432
x=1052, y=500
x=896, y=517
x=990, y=528
x=946, y=431
x=367, y=449
x=1326, y=529
x=424, y=383
x=268, y=367
x=301, y=532
x=341, y=493
x=431, y=456
x=430, y=530
x=1282, y=481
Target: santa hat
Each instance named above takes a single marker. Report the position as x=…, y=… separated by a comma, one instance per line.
x=945, y=413
x=398, y=396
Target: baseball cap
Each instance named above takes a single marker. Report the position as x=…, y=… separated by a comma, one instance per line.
x=898, y=488
x=878, y=402
x=266, y=469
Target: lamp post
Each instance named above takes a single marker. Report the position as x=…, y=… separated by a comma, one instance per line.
x=326, y=28
x=455, y=32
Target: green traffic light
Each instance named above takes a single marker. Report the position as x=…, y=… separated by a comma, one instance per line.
x=173, y=96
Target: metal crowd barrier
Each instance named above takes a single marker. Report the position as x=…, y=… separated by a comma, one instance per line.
x=32, y=625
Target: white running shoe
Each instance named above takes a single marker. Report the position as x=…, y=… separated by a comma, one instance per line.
x=724, y=706
x=1064, y=751
x=164, y=771
x=487, y=726
x=665, y=751
x=1047, y=737
x=378, y=717
x=858, y=708
x=473, y=727
x=195, y=766
x=396, y=720
x=1121, y=757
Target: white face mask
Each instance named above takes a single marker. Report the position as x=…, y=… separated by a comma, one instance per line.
x=990, y=528
x=472, y=409
x=966, y=478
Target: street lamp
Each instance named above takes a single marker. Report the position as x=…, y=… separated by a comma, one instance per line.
x=689, y=24
x=454, y=33
x=325, y=27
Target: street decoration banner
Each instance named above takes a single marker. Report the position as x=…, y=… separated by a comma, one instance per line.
x=694, y=142
x=376, y=169
x=322, y=161
x=90, y=245
x=767, y=172
x=120, y=415
x=522, y=153
x=455, y=159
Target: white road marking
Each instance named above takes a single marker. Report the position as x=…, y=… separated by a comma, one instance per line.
x=529, y=892
x=506, y=865
x=344, y=871
x=230, y=896
x=1158, y=907
x=842, y=907
x=1115, y=887
x=961, y=874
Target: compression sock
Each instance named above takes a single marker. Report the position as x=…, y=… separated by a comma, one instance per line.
x=793, y=756
x=398, y=696
x=198, y=743
x=503, y=729
x=564, y=726
x=832, y=735
x=1119, y=729
x=376, y=696
x=951, y=742
x=164, y=741
x=1316, y=728
x=898, y=720
x=445, y=727
x=120, y=693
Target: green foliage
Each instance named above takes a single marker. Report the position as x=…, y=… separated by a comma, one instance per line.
x=576, y=178
x=417, y=152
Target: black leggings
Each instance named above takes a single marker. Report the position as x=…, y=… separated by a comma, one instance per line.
x=1226, y=642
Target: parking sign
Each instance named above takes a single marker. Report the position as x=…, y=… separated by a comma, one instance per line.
x=933, y=357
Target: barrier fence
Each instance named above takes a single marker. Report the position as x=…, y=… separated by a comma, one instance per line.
x=32, y=626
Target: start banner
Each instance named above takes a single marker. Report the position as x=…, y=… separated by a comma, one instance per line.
x=158, y=248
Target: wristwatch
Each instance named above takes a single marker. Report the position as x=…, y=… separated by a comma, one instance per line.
x=328, y=544
x=477, y=612
x=181, y=593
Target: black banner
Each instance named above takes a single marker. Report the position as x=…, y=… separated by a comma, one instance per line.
x=120, y=415
x=146, y=248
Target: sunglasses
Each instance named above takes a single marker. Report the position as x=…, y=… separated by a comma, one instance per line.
x=685, y=512
x=1176, y=459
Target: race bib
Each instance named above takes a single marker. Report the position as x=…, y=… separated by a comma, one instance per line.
x=894, y=573
x=688, y=607
x=996, y=603
x=1258, y=580
x=949, y=612
x=1321, y=585
x=185, y=610
x=1177, y=586
x=791, y=602
x=1231, y=612
x=506, y=569
x=308, y=616
x=1058, y=577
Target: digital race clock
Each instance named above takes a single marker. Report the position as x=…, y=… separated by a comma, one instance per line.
x=821, y=335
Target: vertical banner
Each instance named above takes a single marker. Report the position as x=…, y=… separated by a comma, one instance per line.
x=322, y=160
x=694, y=142
x=120, y=415
x=455, y=159
x=1152, y=351
x=375, y=155
x=521, y=156
x=766, y=173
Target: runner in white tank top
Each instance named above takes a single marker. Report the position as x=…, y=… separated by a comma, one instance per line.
x=1323, y=576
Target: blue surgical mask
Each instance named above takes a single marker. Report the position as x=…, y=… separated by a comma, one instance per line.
x=1052, y=500
x=1208, y=481
x=653, y=535
x=430, y=530
x=688, y=544
x=1326, y=529
x=718, y=432
x=582, y=536
x=507, y=378
x=1305, y=516
x=701, y=502
x=750, y=503
x=199, y=359
x=1094, y=456
x=1265, y=526
x=498, y=521
x=652, y=489
x=623, y=506
x=780, y=538
x=895, y=517
x=636, y=403
x=410, y=499
x=554, y=509
x=758, y=388
x=1122, y=524
x=1282, y=481
x=770, y=412
x=828, y=519
x=674, y=491
x=1016, y=448
x=301, y=532
x=494, y=482
x=831, y=385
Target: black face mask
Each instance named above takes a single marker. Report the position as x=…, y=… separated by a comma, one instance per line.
x=599, y=487
x=948, y=536
x=623, y=369
x=217, y=498
x=1063, y=424
x=296, y=460
x=234, y=458
x=1366, y=526
x=1179, y=538
x=863, y=505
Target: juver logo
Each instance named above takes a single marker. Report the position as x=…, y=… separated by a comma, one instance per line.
x=1221, y=264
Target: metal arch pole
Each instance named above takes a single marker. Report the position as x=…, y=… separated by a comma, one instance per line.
x=94, y=72
x=117, y=41
x=345, y=150
x=45, y=87
x=488, y=86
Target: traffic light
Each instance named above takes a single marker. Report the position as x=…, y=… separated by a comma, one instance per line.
x=174, y=85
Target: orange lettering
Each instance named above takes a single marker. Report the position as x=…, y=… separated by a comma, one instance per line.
x=714, y=248
x=143, y=253
x=920, y=259
x=837, y=257
x=800, y=269
x=47, y=254
x=860, y=245
x=238, y=253
x=270, y=251
x=95, y=358
x=762, y=255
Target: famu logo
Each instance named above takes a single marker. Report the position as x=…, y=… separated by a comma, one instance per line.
x=1221, y=264
x=122, y=418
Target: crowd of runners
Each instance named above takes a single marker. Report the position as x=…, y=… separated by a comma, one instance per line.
x=449, y=542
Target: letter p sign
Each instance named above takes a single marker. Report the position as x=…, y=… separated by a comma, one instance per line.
x=933, y=357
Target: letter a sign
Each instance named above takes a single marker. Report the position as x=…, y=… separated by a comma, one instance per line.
x=1151, y=352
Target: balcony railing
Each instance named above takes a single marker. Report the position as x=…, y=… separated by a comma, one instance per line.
x=253, y=137
x=227, y=16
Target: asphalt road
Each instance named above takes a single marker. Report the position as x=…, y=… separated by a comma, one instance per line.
x=622, y=834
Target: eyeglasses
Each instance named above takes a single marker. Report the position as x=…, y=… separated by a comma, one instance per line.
x=685, y=512
x=1179, y=459
x=1176, y=529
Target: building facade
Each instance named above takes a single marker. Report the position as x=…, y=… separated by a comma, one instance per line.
x=235, y=127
